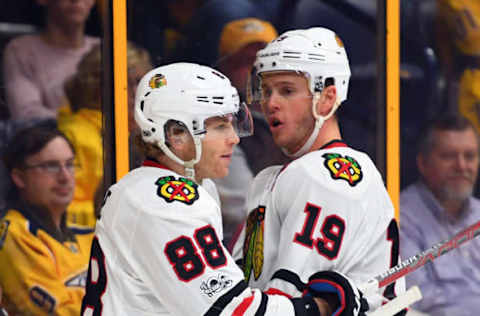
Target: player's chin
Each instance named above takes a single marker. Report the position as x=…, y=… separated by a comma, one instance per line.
x=221, y=172
x=280, y=140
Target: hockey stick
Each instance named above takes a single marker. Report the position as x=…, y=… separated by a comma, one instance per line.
x=419, y=260
x=400, y=302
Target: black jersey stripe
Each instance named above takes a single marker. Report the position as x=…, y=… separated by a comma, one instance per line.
x=290, y=277
x=225, y=299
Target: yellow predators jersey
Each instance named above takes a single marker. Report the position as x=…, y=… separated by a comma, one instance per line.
x=84, y=130
x=462, y=17
x=38, y=274
x=469, y=96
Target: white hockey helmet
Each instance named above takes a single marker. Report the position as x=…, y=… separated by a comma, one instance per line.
x=317, y=53
x=187, y=94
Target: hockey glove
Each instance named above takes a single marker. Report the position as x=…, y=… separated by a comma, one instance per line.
x=339, y=291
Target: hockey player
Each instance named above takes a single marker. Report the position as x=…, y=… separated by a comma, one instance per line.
x=158, y=247
x=328, y=209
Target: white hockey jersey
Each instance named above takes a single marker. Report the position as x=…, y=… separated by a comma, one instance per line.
x=158, y=251
x=328, y=210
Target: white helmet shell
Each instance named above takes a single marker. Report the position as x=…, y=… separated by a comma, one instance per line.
x=185, y=92
x=317, y=52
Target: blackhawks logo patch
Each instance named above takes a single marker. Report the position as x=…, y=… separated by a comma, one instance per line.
x=157, y=81
x=181, y=190
x=253, y=244
x=343, y=168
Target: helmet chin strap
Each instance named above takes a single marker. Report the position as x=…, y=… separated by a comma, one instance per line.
x=319, y=120
x=189, y=165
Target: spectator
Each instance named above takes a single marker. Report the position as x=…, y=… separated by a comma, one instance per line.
x=36, y=65
x=238, y=45
x=202, y=32
x=436, y=207
x=83, y=127
x=43, y=263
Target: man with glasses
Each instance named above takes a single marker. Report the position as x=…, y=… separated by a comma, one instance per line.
x=43, y=263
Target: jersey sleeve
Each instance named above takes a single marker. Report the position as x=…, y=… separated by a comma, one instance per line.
x=29, y=276
x=325, y=225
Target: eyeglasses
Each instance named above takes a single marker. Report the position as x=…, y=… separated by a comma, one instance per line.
x=54, y=167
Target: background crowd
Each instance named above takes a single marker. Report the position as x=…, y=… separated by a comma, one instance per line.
x=51, y=84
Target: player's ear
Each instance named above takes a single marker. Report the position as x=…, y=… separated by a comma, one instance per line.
x=17, y=178
x=327, y=100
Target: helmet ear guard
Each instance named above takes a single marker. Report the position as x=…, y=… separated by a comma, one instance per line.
x=176, y=133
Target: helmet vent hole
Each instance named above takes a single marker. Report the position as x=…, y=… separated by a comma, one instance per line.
x=151, y=120
x=141, y=105
x=290, y=54
x=153, y=129
x=217, y=100
x=316, y=57
x=218, y=75
x=202, y=99
x=200, y=77
x=146, y=94
x=261, y=65
x=274, y=64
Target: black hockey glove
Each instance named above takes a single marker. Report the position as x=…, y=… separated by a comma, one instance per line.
x=339, y=291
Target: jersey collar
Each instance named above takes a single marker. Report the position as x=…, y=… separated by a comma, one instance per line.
x=150, y=162
x=40, y=218
x=334, y=144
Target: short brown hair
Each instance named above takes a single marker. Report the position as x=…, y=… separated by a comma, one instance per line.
x=29, y=141
x=149, y=150
x=444, y=122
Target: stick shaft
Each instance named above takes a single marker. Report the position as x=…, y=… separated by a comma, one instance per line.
x=419, y=260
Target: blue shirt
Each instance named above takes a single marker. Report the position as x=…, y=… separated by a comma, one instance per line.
x=451, y=285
